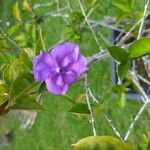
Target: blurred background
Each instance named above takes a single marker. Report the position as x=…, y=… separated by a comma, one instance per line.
x=57, y=128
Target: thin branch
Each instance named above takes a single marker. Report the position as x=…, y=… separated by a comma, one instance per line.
x=8, y=38
x=129, y=32
x=86, y=19
x=136, y=82
x=105, y=24
x=89, y=106
x=43, y=5
x=143, y=79
x=143, y=19
x=98, y=57
x=69, y=5
x=103, y=38
x=106, y=115
x=112, y=126
x=135, y=120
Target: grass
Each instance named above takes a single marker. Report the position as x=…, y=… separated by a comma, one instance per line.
x=56, y=128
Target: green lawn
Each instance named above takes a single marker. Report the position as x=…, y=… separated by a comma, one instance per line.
x=57, y=129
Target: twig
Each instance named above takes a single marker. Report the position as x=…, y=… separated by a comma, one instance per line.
x=86, y=19
x=104, y=24
x=112, y=126
x=103, y=38
x=106, y=116
x=69, y=5
x=136, y=82
x=98, y=57
x=43, y=5
x=143, y=19
x=129, y=32
x=89, y=105
x=9, y=39
x=135, y=120
x=143, y=79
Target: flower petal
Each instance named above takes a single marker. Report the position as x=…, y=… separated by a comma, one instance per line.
x=43, y=66
x=56, y=86
x=79, y=66
x=70, y=77
x=61, y=51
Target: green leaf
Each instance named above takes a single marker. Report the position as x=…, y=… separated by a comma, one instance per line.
x=139, y=48
x=98, y=107
x=9, y=73
x=16, y=11
x=80, y=108
x=32, y=32
x=124, y=6
x=118, y=89
x=42, y=87
x=26, y=6
x=101, y=143
x=129, y=81
x=27, y=103
x=4, y=44
x=123, y=69
x=22, y=84
x=39, y=43
x=148, y=145
x=3, y=93
x=121, y=99
x=118, y=53
x=25, y=59
x=13, y=29
x=21, y=39
x=6, y=57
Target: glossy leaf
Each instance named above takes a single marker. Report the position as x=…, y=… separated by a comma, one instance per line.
x=123, y=69
x=80, y=108
x=101, y=143
x=118, y=53
x=28, y=103
x=22, y=84
x=139, y=48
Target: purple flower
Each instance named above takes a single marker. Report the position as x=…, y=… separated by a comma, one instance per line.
x=60, y=67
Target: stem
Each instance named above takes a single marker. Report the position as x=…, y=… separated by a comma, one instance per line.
x=143, y=19
x=9, y=39
x=42, y=40
x=136, y=82
x=106, y=116
x=112, y=126
x=129, y=32
x=86, y=19
x=98, y=57
x=135, y=120
x=43, y=5
x=89, y=105
x=69, y=5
